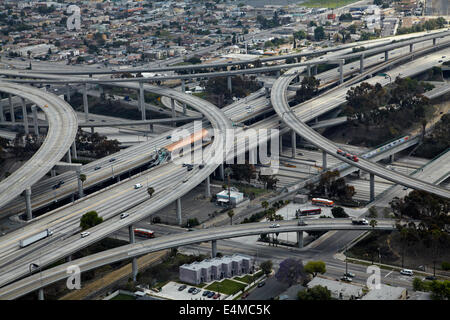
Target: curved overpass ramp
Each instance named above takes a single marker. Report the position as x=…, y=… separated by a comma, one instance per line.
x=62, y=129
x=52, y=275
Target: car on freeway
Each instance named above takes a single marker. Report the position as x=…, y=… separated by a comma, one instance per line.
x=339, y=151
x=346, y=279
x=182, y=287
x=190, y=167
x=349, y=274
x=169, y=137
x=261, y=284
x=201, y=166
x=191, y=289
x=61, y=182
x=407, y=272
x=112, y=159
x=97, y=168
x=211, y=294
x=124, y=215
x=84, y=234
x=185, y=180
x=217, y=296
x=56, y=186
x=275, y=225
x=405, y=188
x=431, y=278
x=205, y=293
x=137, y=186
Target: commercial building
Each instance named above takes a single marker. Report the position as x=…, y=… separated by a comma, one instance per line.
x=216, y=269
x=386, y=292
x=235, y=197
x=339, y=290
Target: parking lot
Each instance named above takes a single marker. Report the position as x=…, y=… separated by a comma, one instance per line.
x=170, y=291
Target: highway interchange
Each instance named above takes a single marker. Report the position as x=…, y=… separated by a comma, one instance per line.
x=197, y=175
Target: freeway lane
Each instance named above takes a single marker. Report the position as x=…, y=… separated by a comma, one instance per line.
x=61, y=134
x=41, y=279
x=288, y=116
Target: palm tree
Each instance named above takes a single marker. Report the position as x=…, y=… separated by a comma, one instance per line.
x=228, y=172
x=150, y=191
x=373, y=223
x=231, y=214
x=82, y=178
x=265, y=205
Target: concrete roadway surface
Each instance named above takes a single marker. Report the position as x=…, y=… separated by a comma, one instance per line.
x=61, y=134
x=279, y=102
x=180, y=239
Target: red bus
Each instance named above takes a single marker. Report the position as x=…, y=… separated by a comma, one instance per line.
x=308, y=211
x=322, y=202
x=144, y=233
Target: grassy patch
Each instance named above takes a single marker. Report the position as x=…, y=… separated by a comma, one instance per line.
x=247, y=278
x=326, y=3
x=226, y=286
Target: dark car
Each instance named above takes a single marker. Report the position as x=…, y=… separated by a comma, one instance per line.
x=191, y=289
x=244, y=295
x=217, y=296
x=181, y=288
x=431, y=278
x=261, y=284
x=201, y=166
x=97, y=168
x=205, y=293
x=61, y=182
x=211, y=294
x=56, y=186
x=349, y=274
x=112, y=159
x=169, y=137
x=190, y=167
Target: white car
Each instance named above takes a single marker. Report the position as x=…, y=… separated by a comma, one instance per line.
x=407, y=272
x=275, y=225
x=137, y=186
x=85, y=234
x=124, y=215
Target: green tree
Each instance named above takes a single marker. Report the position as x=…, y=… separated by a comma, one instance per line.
x=339, y=212
x=319, y=33
x=231, y=214
x=373, y=223
x=90, y=219
x=150, y=191
x=315, y=293
x=315, y=267
x=82, y=177
x=266, y=266
x=372, y=212
x=308, y=89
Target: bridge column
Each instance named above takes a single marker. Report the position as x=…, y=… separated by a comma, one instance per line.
x=100, y=89
x=2, y=115
x=434, y=41
x=278, y=73
x=25, y=116
x=183, y=89
x=172, y=104
x=314, y=70
x=411, y=47
x=341, y=71
x=180, y=221
x=53, y=173
x=74, y=150
x=80, y=184
x=372, y=187
x=134, y=266
x=85, y=103
x=281, y=142
x=229, y=83
x=67, y=92
x=213, y=248
x=309, y=70
x=68, y=156
x=267, y=92
x=300, y=239
x=41, y=294
x=386, y=55
x=293, y=143
x=69, y=258
x=28, y=204
x=324, y=160
x=11, y=108
x=392, y=158
x=222, y=171
x=361, y=64
x=141, y=100
x=207, y=188
x=35, y=119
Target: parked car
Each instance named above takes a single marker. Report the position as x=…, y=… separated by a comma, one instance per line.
x=349, y=274
x=346, y=279
x=261, y=284
x=205, y=293
x=244, y=295
x=211, y=294
x=431, y=278
x=191, y=289
x=217, y=296
x=407, y=272
x=182, y=287
x=196, y=291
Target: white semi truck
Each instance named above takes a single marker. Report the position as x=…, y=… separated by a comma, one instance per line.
x=36, y=237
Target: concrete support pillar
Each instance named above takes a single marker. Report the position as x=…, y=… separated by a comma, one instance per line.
x=229, y=83
x=69, y=258
x=213, y=248
x=25, y=116
x=324, y=160
x=293, y=143
x=392, y=158
x=386, y=55
x=134, y=265
x=35, y=119
x=372, y=187
x=207, y=187
x=183, y=89
x=309, y=70
x=222, y=171
x=100, y=89
x=68, y=156
x=74, y=150
x=174, y=115
x=300, y=239
x=80, y=184
x=53, y=173
x=141, y=100
x=278, y=73
x=11, y=108
x=316, y=120
x=2, y=115
x=267, y=92
x=28, y=204
x=281, y=142
x=180, y=221
x=314, y=70
x=68, y=92
x=85, y=103
x=92, y=130
x=434, y=42
x=41, y=294
x=361, y=64
x=341, y=71
x=411, y=47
